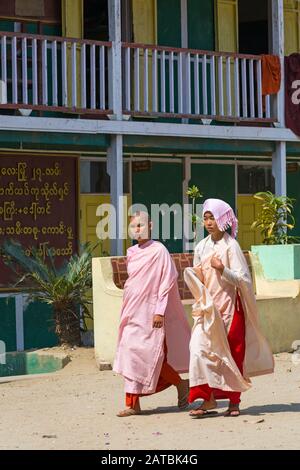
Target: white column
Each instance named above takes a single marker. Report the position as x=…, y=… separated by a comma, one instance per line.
x=184, y=44
x=279, y=168
x=115, y=151
x=277, y=48
x=115, y=170
x=184, y=23
x=185, y=201
x=115, y=59
x=19, y=322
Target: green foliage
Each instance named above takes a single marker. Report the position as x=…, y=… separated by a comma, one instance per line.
x=66, y=289
x=194, y=193
x=275, y=219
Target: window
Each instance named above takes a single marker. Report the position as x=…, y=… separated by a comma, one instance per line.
x=252, y=179
x=96, y=20
x=95, y=180
x=253, y=27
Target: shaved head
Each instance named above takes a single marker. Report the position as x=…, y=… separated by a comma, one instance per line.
x=143, y=216
x=140, y=226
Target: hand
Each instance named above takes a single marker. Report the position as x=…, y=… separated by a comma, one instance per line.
x=217, y=264
x=197, y=269
x=158, y=321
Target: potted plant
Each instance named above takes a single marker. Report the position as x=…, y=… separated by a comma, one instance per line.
x=280, y=253
x=65, y=289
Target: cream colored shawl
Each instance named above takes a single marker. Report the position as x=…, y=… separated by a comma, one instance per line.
x=211, y=361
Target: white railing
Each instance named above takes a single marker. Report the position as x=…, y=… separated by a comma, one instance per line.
x=49, y=73
x=168, y=82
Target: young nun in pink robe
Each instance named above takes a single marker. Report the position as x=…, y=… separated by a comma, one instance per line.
x=154, y=334
x=227, y=346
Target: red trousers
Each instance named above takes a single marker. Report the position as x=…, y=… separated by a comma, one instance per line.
x=168, y=376
x=236, y=339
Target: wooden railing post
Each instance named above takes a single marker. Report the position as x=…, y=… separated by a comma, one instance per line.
x=115, y=58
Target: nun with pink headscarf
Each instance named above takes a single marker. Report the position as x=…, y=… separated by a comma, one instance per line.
x=227, y=346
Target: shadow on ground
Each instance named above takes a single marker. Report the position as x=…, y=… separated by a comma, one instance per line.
x=252, y=410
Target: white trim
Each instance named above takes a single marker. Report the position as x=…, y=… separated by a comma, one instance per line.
x=37, y=152
x=115, y=170
x=115, y=58
x=184, y=24
x=231, y=162
x=19, y=322
x=185, y=184
x=279, y=169
x=159, y=160
x=277, y=48
x=100, y=159
x=127, y=156
x=85, y=126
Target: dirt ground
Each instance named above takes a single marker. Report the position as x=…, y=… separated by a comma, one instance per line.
x=75, y=408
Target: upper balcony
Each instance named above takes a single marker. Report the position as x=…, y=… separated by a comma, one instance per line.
x=62, y=75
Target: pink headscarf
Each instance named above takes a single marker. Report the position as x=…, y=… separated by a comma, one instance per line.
x=223, y=214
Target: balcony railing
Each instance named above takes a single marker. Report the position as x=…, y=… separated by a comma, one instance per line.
x=47, y=73
x=184, y=83
x=53, y=74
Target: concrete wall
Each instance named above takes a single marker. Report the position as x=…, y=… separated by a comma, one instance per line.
x=271, y=259
x=279, y=319
x=278, y=306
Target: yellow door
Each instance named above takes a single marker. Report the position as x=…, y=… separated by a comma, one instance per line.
x=144, y=14
x=291, y=26
x=226, y=12
x=88, y=223
x=248, y=209
x=72, y=27
x=226, y=21
x=144, y=21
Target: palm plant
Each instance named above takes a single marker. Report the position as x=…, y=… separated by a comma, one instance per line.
x=275, y=219
x=65, y=289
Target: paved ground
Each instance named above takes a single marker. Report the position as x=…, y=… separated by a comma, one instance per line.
x=75, y=409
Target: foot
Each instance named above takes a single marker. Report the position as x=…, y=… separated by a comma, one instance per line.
x=183, y=394
x=129, y=412
x=233, y=411
x=204, y=409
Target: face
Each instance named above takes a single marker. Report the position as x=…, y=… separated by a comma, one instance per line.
x=210, y=224
x=139, y=228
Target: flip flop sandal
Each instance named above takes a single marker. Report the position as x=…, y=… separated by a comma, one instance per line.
x=204, y=414
x=128, y=412
x=232, y=413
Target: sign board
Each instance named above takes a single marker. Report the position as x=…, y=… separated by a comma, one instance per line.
x=38, y=205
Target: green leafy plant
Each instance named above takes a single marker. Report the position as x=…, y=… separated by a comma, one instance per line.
x=275, y=219
x=66, y=290
x=194, y=193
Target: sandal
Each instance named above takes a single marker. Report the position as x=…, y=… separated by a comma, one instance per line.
x=183, y=397
x=128, y=412
x=232, y=412
x=201, y=413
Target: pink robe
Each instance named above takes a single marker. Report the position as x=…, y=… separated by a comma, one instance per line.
x=151, y=289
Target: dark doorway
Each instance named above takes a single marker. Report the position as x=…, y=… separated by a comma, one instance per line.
x=253, y=27
x=96, y=20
